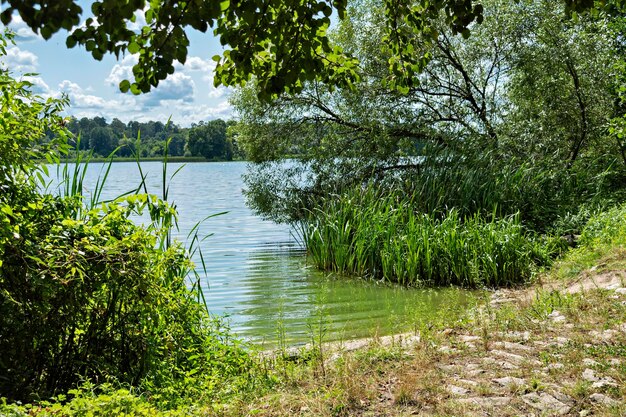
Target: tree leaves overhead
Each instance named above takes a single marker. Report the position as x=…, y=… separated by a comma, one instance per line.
x=282, y=43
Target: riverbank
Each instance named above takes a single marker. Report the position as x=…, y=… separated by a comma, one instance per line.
x=557, y=347
x=146, y=159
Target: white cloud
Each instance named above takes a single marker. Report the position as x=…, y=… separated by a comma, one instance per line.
x=195, y=63
x=191, y=114
x=178, y=86
x=84, y=103
x=39, y=86
x=17, y=60
x=219, y=91
x=122, y=71
x=22, y=32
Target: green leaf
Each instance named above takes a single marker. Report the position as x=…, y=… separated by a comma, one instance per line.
x=133, y=47
x=124, y=86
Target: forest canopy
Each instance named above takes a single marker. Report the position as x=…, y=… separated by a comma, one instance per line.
x=210, y=140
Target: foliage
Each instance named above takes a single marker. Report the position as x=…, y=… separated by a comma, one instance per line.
x=88, y=400
x=86, y=294
x=561, y=96
x=602, y=245
x=471, y=134
x=281, y=43
x=366, y=233
x=607, y=227
x=22, y=127
x=210, y=140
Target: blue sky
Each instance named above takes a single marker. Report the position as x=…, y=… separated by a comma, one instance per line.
x=187, y=96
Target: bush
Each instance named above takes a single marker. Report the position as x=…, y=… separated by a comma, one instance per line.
x=607, y=227
x=85, y=294
x=95, y=297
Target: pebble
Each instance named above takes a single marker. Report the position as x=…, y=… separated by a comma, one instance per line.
x=602, y=399
x=487, y=401
x=589, y=375
x=554, y=366
x=448, y=368
x=447, y=349
x=621, y=291
x=604, y=382
x=468, y=382
x=562, y=397
x=589, y=362
x=498, y=301
x=561, y=341
x=546, y=403
x=467, y=338
x=523, y=336
x=507, y=355
x=456, y=390
x=508, y=381
x=512, y=346
x=556, y=317
x=604, y=336
x=476, y=372
x=517, y=359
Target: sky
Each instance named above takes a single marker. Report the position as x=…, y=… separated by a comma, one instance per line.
x=187, y=96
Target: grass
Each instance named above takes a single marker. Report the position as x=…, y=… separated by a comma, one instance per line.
x=602, y=245
x=367, y=234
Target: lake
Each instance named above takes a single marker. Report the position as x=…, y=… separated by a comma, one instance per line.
x=257, y=273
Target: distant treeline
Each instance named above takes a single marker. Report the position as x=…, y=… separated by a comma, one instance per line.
x=211, y=140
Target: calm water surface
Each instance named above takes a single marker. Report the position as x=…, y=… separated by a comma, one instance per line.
x=257, y=272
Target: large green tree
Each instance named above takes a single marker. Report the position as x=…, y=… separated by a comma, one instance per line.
x=208, y=139
x=530, y=86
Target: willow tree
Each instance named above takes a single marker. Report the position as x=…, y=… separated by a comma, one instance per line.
x=529, y=87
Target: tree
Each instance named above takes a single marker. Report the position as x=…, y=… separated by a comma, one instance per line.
x=208, y=139
x=102, y=140
x=474, y=104
x=281, y=43
x=118, y=127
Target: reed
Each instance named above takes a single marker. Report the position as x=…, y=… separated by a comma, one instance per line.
x=383, y=237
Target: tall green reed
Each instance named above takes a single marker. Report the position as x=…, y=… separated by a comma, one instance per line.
x=382, y=236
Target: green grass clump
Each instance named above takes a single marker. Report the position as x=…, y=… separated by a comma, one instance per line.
x=602, y=245
x=383, y=237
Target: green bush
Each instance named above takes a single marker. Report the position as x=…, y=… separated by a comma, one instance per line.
x=86, y=401
x=607, y=227
x=86, y=294
x=95, y=297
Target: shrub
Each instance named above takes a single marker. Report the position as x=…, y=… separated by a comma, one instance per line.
x=86, y=294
